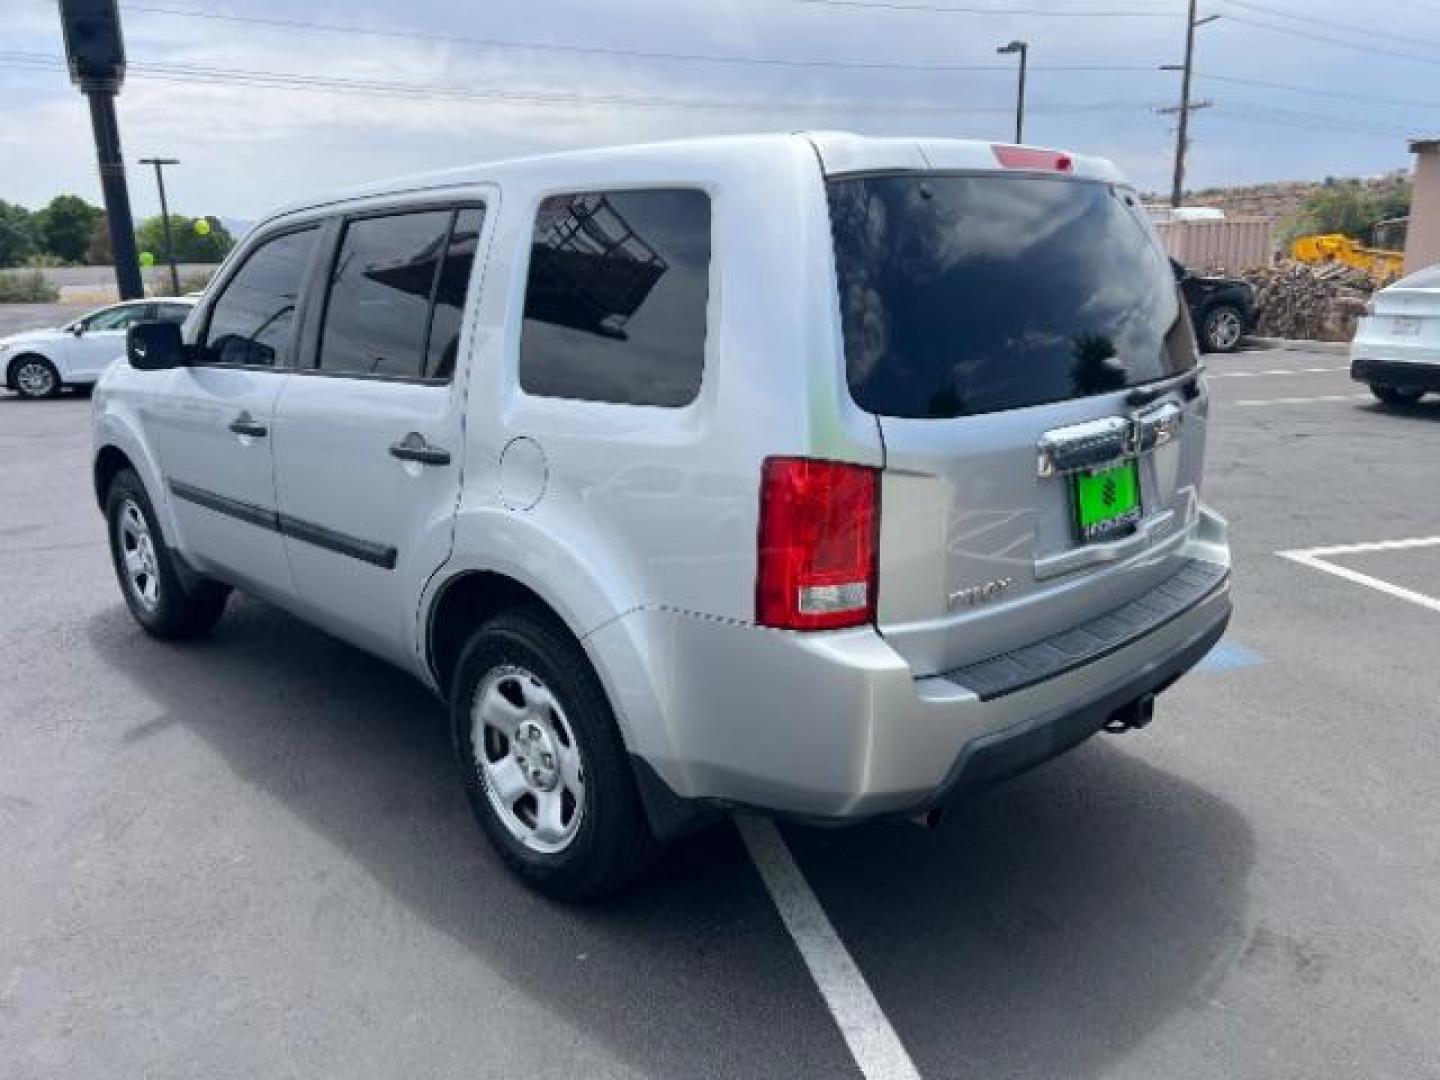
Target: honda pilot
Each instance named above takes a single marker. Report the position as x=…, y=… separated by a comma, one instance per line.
x=824, y=476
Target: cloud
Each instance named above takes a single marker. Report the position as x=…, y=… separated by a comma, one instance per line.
x=245, y=147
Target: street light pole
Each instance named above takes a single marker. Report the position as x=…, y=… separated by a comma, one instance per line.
x=95, y=54
x=1023, y=48
x=160, y=164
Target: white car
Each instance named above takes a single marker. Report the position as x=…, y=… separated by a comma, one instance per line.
x=37, y=363
x=1397, y=345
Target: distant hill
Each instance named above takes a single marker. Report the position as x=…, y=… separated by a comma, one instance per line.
x=1275, y=202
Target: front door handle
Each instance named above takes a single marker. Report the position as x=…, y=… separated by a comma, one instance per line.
x=245, y=424
x=413, y=447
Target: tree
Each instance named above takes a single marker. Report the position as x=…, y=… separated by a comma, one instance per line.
x=64, y=227
x=17, y=234
x=1347, y=207
x=190, y=246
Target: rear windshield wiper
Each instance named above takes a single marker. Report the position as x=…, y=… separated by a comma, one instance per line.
x=1188, y=384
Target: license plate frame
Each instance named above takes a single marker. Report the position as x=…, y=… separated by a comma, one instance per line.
x=1105, y=502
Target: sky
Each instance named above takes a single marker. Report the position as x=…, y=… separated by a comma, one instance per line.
x=264, y=102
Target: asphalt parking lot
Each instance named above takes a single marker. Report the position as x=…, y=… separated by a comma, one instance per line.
x=251, y=857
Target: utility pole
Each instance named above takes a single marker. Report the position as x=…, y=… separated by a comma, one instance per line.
x=1182, y=134
x=160, y=163
x=96, y=55
x=1023, y=48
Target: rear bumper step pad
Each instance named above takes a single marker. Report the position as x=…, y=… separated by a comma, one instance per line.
x=1045, y=659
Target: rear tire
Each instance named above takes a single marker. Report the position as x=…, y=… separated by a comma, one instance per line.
x=1222, y=328
x=1396, y=395
x=159, y=598
x=543, y=763
x=34, y=377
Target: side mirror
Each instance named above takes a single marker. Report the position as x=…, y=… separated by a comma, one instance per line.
x=154, y=346
x=77, y=328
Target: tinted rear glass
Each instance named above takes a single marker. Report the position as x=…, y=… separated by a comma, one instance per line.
x=963, y=295
x=616, y=296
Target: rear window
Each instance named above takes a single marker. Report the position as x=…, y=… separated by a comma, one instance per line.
x=972, y=294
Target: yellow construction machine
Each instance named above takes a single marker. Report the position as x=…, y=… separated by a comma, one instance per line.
x=1380, y=264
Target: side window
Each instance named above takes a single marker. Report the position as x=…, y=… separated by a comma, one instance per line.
x=116, y=318
x=176, y=313
x=251, y=321
x=382, y=285
x=616, y=296
x=450, y=294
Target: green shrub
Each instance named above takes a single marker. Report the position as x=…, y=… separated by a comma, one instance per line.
x=27, y=288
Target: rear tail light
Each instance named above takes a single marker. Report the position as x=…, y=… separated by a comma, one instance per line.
x=817, y=556
x=1030, y=157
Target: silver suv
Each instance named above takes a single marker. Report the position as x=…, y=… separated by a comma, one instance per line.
x=827, y=476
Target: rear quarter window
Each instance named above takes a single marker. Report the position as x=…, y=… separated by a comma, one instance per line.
x=615, y=297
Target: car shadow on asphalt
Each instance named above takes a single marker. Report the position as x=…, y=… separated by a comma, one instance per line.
x=1427, y=409
x=1045, y=929
x=671, y=975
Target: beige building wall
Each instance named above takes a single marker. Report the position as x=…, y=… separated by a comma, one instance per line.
x=1422, y=243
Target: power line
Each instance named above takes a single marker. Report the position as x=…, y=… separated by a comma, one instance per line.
x=1265, y=85
x=1314, y=20
x=1247, y=112
x=965, y=9
x=594, y=50
x=285, y=80
x=1297, y=32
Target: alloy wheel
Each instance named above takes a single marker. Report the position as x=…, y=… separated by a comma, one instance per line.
x=137, y=551
x=35, y=379
x=528, y=759
x=1225, y=329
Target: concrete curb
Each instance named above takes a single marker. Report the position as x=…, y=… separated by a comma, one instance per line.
x=1334, y=348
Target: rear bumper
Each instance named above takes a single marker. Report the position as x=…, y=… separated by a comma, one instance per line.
x=835, y=727
x=1419, y=374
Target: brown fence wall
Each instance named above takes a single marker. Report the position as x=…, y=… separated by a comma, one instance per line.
x=1234, y=245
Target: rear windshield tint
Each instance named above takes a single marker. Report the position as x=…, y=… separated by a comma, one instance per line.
x=971, y=294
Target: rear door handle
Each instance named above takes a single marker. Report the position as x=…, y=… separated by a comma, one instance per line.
x=245, y=424
x=413, y=447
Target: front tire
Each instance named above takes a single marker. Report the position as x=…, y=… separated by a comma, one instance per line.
x=1222, y=328
x=157, y=596
x=1396, y=395
x=543, y=763
x=34, y=377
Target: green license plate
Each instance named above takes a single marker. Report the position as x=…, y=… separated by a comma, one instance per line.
x=1107, y=501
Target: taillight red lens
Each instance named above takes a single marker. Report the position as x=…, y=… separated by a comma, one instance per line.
x=817, y=557
x=1029, y=157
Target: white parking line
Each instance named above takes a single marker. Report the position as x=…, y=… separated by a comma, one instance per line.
x=1321, y=399
x=876, y=1048
x=1315, y=558
x=1273, y=371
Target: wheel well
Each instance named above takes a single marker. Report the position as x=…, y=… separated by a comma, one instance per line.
x=1223, y=302
x=465, y=602
x=108, y=462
